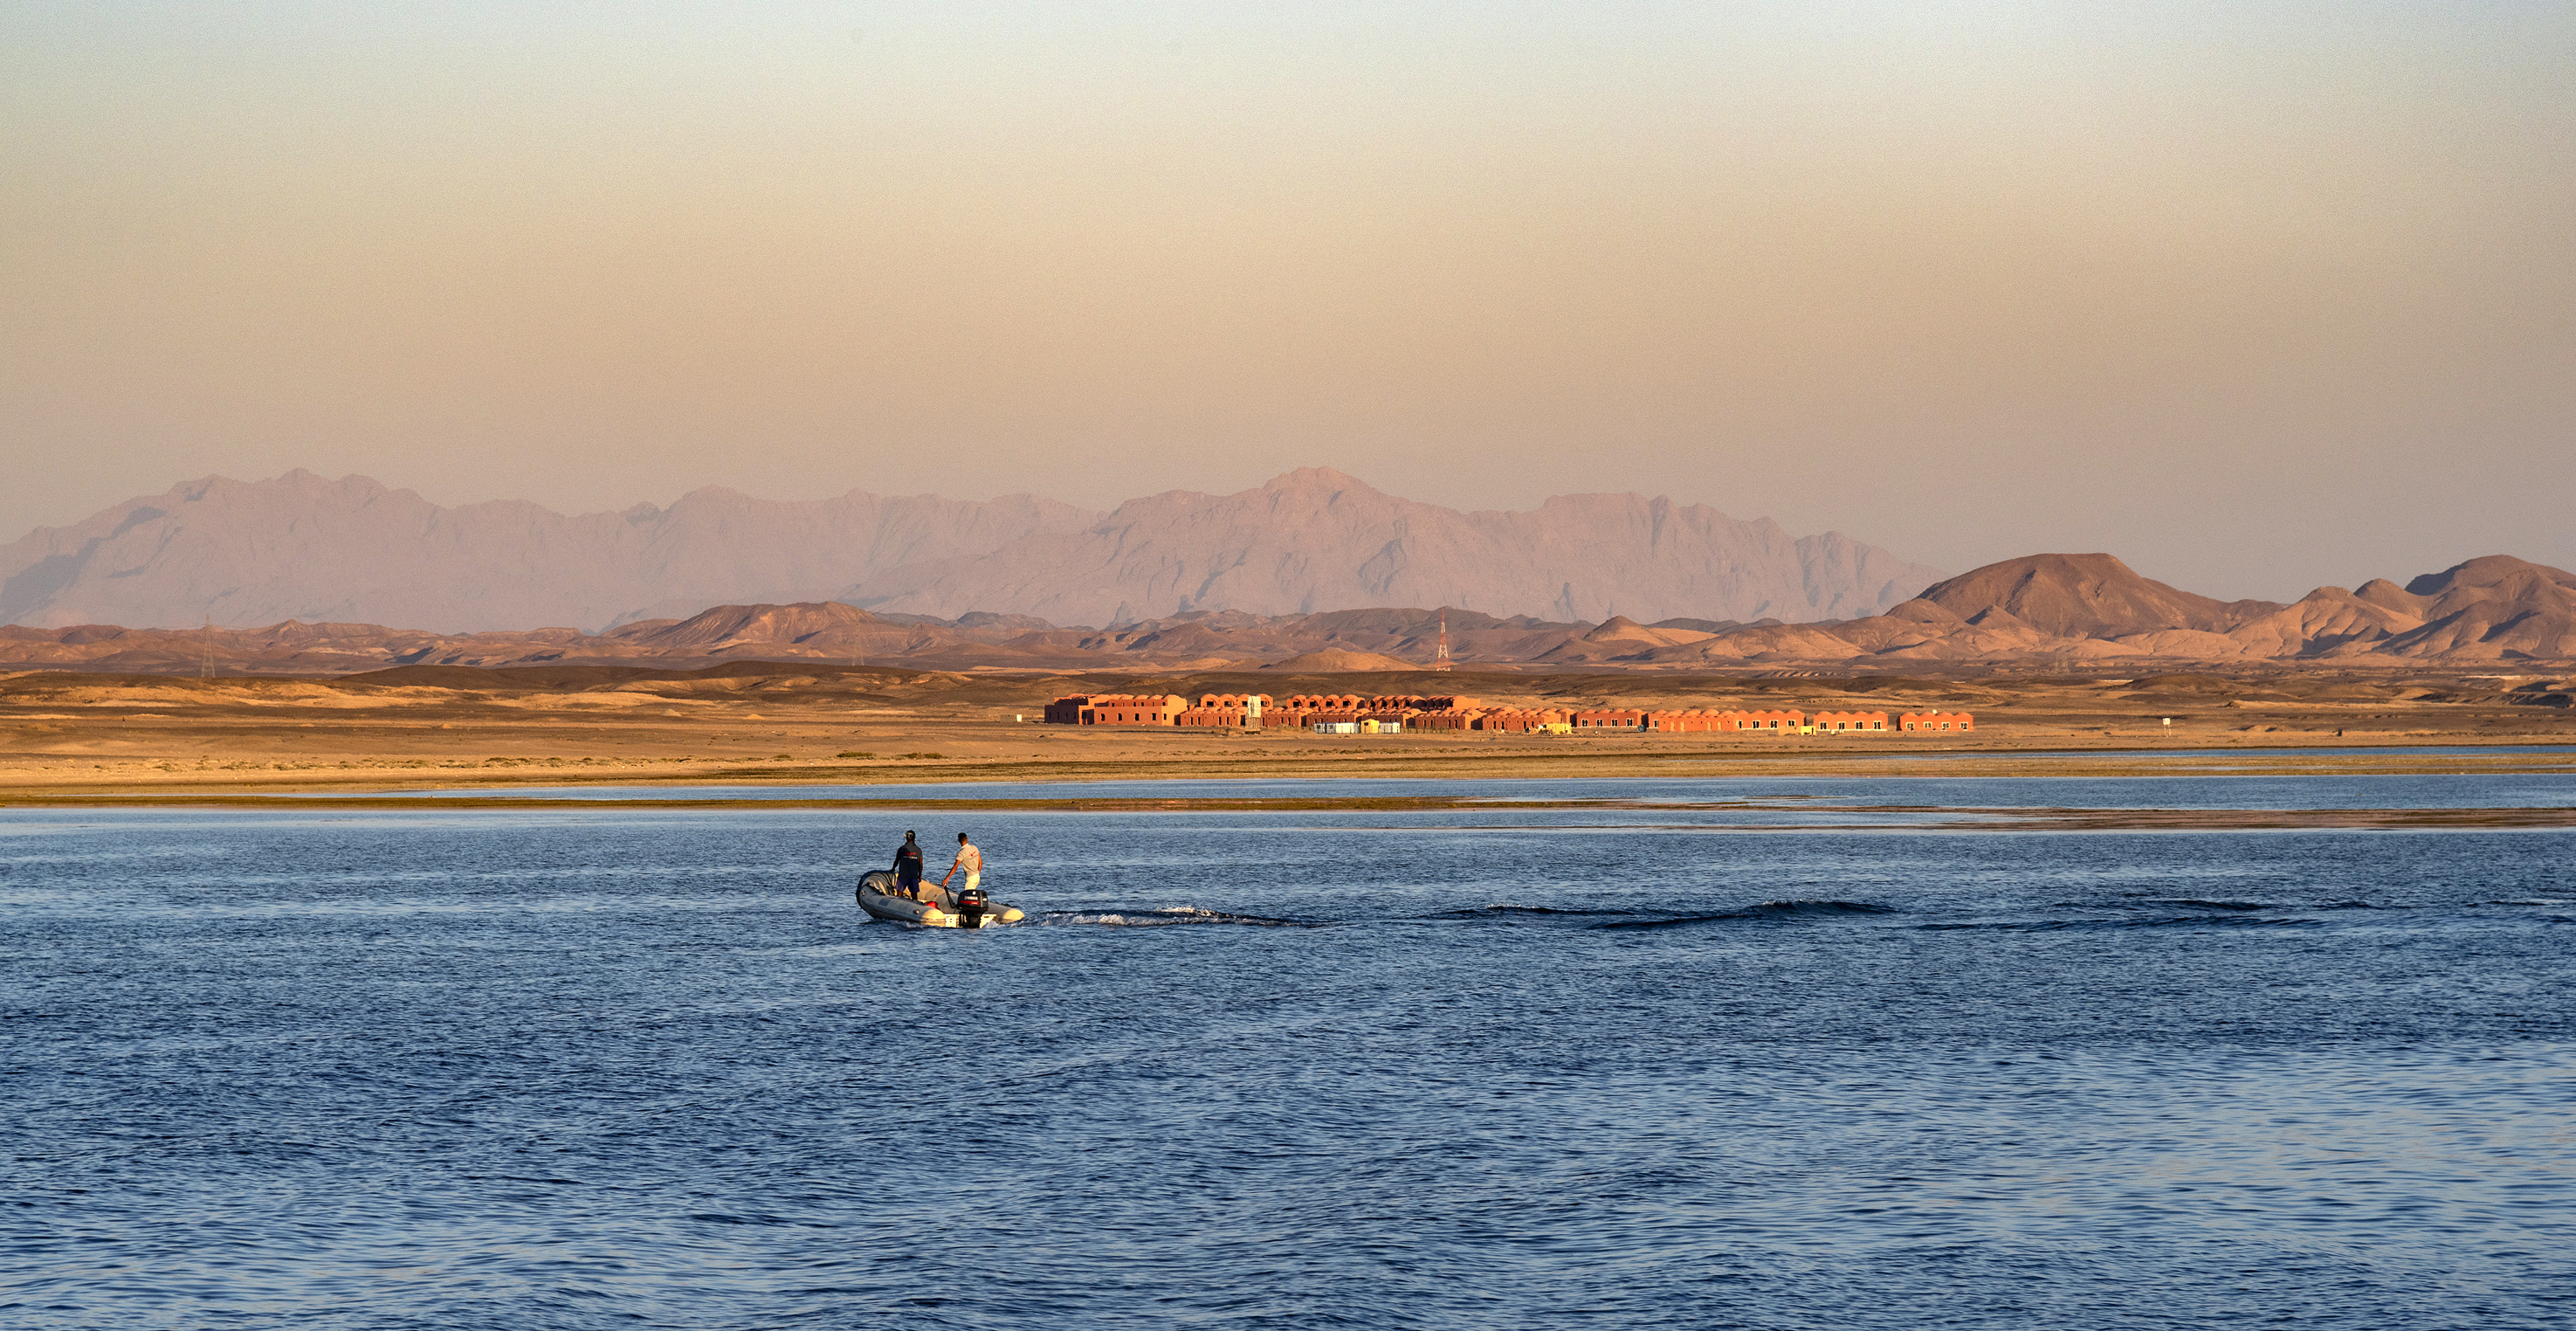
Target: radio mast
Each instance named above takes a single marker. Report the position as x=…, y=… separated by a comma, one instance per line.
x=1441, y=662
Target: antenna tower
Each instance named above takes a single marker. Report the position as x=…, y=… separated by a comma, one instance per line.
x=1441, y=662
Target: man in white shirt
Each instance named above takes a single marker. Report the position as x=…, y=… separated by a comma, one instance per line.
x=969, y=859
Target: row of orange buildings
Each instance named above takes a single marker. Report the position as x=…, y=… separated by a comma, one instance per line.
x=1392, y=713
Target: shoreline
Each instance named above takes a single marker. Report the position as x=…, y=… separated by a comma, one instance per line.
x=2540, y=757
x=1085, y=787
x=1878, y=818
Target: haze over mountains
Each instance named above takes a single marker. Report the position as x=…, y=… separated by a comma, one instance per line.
x=1316, y=540
x=300, y=547
x=1313, y=562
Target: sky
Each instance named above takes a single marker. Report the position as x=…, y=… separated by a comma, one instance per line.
x=2259, y=296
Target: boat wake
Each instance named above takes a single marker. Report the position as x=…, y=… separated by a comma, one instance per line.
x=1505, y=912
x=1768, y=910
x=1166, y=917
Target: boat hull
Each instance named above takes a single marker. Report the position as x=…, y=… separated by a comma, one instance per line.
x=877, y=897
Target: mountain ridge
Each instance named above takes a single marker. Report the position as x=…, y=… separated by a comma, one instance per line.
x=307, y=548
x=1317, y=539
x=2492, y=609
x=300, y=546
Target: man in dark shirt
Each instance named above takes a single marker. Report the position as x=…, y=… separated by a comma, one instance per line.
x=907, y=868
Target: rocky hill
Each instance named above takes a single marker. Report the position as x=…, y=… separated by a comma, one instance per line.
x=2085, y=596
x=2073, y=607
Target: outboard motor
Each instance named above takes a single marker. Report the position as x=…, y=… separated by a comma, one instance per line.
x=971, y=905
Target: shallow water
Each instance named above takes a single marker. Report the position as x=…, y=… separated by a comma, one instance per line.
x=630, y=1067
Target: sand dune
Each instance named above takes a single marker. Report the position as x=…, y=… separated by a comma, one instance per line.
x=1341, y=662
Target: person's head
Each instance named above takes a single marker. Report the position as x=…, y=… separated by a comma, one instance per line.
x=907, y=836
x=961, y=838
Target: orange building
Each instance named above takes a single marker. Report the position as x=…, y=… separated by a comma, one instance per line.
x=1232, y=710
x=1518, y=719
x=1301, y=710
x=1768, y=722
x=1322, y=702
x=1129, y=709
x=1460, y=713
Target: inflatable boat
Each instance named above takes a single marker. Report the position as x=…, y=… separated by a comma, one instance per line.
x=878, y=897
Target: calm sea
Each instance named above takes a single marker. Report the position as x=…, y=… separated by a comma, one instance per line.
x=626, y=1067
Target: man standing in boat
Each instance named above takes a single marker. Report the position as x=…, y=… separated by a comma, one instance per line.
x=907, y=867
x=969, y=859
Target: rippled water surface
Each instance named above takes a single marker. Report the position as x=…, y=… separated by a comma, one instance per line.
x=645, y=1068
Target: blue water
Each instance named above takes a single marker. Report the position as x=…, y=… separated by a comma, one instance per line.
x=625, y=1067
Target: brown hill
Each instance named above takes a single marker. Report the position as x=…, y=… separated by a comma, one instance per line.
x=2487, y=572
x=806, y=631
x=1409, y=635
x=1339, y=663
x=2086, y=596
x=2083, y=607
x=2327, y=621
x=814, y=631
x=2495, y=607
x=822, y=628
x=1620, y=638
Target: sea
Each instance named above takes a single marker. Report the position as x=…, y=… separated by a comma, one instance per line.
x=1778, y=1054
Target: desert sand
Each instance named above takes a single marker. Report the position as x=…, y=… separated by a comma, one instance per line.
x=86, y=737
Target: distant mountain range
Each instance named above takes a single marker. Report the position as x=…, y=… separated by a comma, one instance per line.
x=1317, y=540
x=299, y=547
x=2038, y=610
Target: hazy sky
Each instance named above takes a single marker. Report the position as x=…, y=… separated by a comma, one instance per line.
x=2256, y=295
